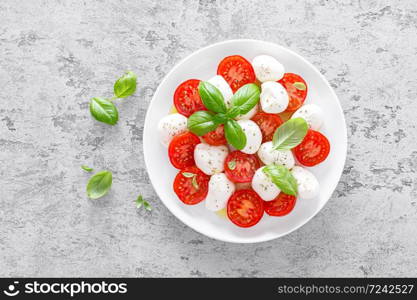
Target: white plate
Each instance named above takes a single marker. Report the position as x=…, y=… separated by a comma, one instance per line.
x=202, y=64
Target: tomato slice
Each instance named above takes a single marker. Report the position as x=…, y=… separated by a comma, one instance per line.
x=187, y=99
x=215, y=137
x=237, y=71
x=313, y=150
x=191, y=193
x=245, y=208
x=268, y=123
x=240, y=167
x=282, y=205
x=297, y=96
x=181, y=150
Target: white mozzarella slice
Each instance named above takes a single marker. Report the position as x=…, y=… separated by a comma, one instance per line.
x=170, y=126
x=267, y=68
x=219, y=191
x=264, y=186
x=221, y=84
x=210, y=159
x=274, y=97
x=308, y=186
x=313, y=115
x=250, y=114
x=279, y=157
x=253, y=136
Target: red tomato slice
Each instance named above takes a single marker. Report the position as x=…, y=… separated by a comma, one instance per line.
x=245, y=208
x=313, y=149
x=187, y=99
x=297, y=96
x=237, y=71
x=216, y=137
x=268, y=123
x=280, y=206
x=188, y=192
x=181, y=150
x=240, y=167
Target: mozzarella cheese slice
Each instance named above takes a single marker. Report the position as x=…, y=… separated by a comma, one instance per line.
x=221, y=84
x=170, y=126
x=308, y=186
x=279, y=157
x=263, y=186
x=210, y=159
x=274, y=97
x=219, y=191
x=249, y=114
x=253, y=136
x=267, y=68
x=313, y=115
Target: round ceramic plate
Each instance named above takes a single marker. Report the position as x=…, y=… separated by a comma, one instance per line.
x=202, y=64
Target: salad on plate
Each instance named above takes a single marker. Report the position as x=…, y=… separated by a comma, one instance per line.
x=243, y=140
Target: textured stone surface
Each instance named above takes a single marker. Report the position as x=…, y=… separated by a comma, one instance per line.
x=55, y=55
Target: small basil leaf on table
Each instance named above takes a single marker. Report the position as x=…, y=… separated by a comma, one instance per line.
x=245, y=99
x=282, y=178
x=234, y=134
x=290, y=134
x=87, y=168
x=125, y=85
x=201, y=122
x=212, y=98
x=104, y=111
x=139, y=201
x=99, y=184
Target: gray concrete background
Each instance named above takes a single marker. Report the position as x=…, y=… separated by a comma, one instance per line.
x=55, y=55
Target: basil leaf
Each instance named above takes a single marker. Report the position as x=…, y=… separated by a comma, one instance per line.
x=147, y=206
x=282, y=178
x=201, y=122
x=234, y=134
x=300, y=86
x=290, y=134
x=87, y=168
x=104, y=111
x=99, y=184
x=220, y=118
x=139, y=201
x=212, y=98
x=245, y=99
x=125, y=85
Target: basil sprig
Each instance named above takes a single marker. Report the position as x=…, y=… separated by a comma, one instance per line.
x=282, y=178
x=202, y=122
x=290, y=134
x=104, y=110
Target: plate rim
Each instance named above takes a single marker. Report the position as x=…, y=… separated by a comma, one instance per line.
x=339, y=107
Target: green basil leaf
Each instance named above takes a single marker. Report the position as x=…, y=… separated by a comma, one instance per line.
x=234, y=134
x=104, y=111
x=300, y=86
x=147, y=206
x=87, y=168
x=99, y=184
x=139, y=201
x=212, y=98
x=125, y=85
x=245, y=99
x=201, y=122
x=220, y=118
x=282, y=178
x=290, y=134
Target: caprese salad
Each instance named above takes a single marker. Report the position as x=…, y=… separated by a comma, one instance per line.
x=242, y=140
